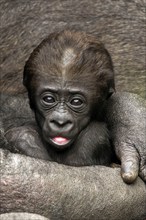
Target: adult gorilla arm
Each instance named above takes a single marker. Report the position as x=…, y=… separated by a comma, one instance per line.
x=126, y=116
x=62, y=192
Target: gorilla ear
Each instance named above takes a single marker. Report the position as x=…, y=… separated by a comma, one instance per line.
x=111, y=87
x=27, y=76
x=107, y=81
x=111, y=91
x=27, y=73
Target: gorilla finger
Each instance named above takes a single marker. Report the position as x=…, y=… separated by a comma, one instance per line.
x=129, y=166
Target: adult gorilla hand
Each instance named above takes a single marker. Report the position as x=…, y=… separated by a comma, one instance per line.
x=126, y=117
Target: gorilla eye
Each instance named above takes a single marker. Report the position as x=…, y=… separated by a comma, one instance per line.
x=49, y=99
x=76, y=102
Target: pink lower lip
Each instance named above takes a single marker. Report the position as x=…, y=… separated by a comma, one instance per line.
x=60, y=140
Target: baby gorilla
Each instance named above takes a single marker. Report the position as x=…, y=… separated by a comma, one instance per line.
x=69, y=78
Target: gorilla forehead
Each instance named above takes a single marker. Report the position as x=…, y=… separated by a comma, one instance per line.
x=70, y=53
x=64, y=85
x=69, y=57
x=67, y=69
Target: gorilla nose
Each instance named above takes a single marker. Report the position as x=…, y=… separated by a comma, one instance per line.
x=61, y=125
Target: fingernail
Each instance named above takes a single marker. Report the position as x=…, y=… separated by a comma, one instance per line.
x=129, y=177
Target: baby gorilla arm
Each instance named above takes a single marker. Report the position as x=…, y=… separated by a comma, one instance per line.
x=26, y=140
x=92, y=146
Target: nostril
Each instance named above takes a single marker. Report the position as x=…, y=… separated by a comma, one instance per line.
x=61, y=124
x=53, y=122
x=57, y=123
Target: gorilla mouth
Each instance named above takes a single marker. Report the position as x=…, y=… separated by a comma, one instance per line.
x=60, y=141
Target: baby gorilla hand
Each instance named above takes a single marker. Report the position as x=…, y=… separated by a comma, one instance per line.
x=26, y=140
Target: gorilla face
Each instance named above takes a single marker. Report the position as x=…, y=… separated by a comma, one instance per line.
x=68, y=77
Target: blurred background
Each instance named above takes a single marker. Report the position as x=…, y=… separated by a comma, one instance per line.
x=119, y=24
